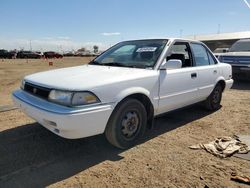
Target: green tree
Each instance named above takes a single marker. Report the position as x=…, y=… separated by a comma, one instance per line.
x=96, y=48
x=83, y=49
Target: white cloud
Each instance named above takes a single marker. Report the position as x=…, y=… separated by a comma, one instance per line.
x=48, y=43
x=64, y=38
x=111, y=34
x=47, y=38
x=55, y=38
x=247, y=3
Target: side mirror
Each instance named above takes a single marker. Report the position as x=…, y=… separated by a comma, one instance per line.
x=171, y=64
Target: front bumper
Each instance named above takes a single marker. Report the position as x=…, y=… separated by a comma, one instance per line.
x=241, y=72
x=71, y=123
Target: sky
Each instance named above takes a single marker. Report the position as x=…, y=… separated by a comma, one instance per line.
x=64, y=25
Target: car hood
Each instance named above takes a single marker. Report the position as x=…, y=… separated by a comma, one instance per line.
x=235, y=54
x=86, y=77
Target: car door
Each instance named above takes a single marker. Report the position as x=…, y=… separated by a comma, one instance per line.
x=207, y=69
x=178, y=87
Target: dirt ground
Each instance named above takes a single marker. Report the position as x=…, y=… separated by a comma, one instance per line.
x=12, y=71
x=31, y=156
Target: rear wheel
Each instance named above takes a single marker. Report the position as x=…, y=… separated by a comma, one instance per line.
x=213, y=101
x=126, y=124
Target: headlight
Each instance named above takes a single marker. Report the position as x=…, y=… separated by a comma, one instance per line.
x=72, y=98
x=22, y=84
x=61, y=97
x=83, y=98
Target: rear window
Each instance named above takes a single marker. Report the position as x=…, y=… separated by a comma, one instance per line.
x=241, y=46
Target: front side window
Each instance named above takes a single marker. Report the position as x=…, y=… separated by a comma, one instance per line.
x=181, y=51
x=136, y=54
x=200, y=55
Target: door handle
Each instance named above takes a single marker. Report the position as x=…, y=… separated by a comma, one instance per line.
x=215, y=71
x=194, y=75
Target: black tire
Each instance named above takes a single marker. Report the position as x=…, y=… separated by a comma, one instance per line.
x=129, y=117
x=213, y=101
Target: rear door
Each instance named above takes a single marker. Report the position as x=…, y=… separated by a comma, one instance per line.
x=207, y=70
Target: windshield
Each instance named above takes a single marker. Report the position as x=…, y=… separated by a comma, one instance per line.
x=241, y=46
x=136, y=54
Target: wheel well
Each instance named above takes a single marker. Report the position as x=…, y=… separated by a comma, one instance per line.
x=147, y=104
x=223, y=84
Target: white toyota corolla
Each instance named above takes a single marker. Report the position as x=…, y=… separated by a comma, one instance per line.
x=122, y=90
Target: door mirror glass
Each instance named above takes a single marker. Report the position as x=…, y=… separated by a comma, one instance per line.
x=171, y=64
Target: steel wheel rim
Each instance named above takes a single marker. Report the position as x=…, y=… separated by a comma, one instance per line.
x=216, y=96
x=130, y=125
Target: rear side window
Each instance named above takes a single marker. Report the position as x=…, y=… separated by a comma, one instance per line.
x=200, y=55
x=211, y=59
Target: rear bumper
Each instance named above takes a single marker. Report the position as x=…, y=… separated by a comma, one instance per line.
x=71, y=123
x=229, y=83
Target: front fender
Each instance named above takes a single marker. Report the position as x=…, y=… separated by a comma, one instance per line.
x=130, y=91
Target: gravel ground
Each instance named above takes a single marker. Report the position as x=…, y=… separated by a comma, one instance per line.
x=31, y=156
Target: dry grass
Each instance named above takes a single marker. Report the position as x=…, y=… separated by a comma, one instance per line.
x=12, y=72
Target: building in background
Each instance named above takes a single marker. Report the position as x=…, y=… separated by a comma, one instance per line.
x=222, y=40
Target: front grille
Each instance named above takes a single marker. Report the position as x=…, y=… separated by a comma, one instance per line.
x=37, y=90
x=244, y=60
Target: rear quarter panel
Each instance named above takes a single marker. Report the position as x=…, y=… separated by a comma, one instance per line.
x=226, y=71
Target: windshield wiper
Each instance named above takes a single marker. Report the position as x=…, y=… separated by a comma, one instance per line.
x=94, y=63
x=141, y=66
x=115, y=64
x=126, y=65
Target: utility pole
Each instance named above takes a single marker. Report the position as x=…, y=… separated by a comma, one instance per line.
x=219, y=26
x=30, y=46
x=181, y=32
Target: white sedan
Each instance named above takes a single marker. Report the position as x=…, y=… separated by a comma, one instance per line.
x=121, y=91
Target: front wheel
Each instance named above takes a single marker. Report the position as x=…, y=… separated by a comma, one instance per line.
x=126, y=124
x=213, y=101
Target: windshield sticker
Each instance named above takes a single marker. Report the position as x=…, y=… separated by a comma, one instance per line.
x=146, y=49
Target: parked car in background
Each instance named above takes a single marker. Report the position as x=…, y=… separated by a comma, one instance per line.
x=13, y=54
x=40, y=53
x=7, y=54
x=121, y=91
x=69, y=54
x=239, y=57
x=28, y=54
x=82, y=54
x=52, y=54
x=86, y=53
x=219, y=51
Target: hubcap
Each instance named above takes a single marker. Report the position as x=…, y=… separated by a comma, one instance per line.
x=130, y=124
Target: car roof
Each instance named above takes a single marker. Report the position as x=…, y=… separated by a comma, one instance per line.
x=163, y=38
x=244, y=40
